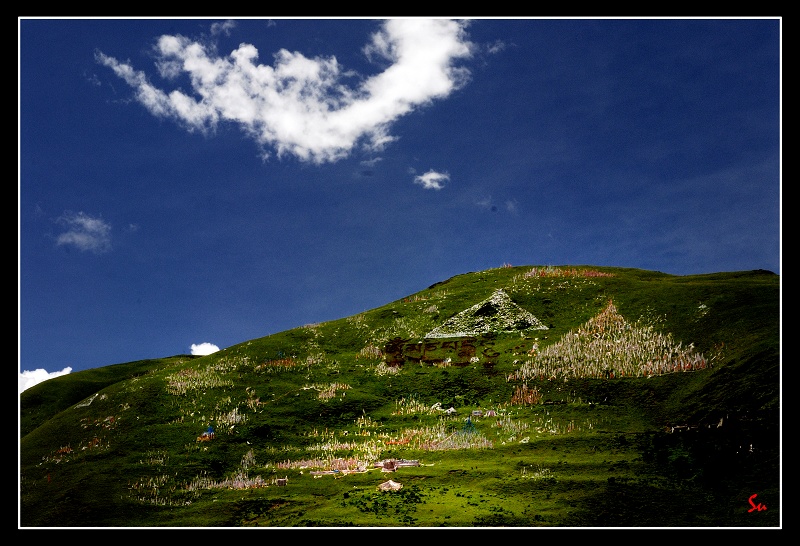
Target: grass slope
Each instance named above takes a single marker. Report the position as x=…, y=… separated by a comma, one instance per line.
x=539, y=432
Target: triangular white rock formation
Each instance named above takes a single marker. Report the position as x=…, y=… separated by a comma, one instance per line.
x=494, y=314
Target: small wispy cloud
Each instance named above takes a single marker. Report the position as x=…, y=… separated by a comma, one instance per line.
x=486, y=203
x=300, y=106
x=496, y=47
x=223, y=28
x=432, y=180
x=204, y=348
x=367, y=167
x=371, y=162
x=510, y=205
x=87, y=233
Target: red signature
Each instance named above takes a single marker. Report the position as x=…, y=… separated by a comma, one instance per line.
x=757, y=507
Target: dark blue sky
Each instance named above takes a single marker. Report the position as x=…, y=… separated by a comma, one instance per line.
x=194, y=181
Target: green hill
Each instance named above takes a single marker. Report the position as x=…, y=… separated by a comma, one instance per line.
x=572, y=396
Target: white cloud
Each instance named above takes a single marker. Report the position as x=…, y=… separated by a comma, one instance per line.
x=371, y=162
x=432, y=180
x=28, y=379
x=299, y=106
x=223, y=28
x=84, y=232
x=496, y=47
x=204, y=348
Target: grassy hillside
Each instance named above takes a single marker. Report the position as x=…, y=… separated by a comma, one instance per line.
x=518, y=396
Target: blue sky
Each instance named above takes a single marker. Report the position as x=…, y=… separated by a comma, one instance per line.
x=186, y=185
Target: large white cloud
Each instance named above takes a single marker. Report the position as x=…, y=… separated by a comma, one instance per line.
x=299, y=106
x=28, y=378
